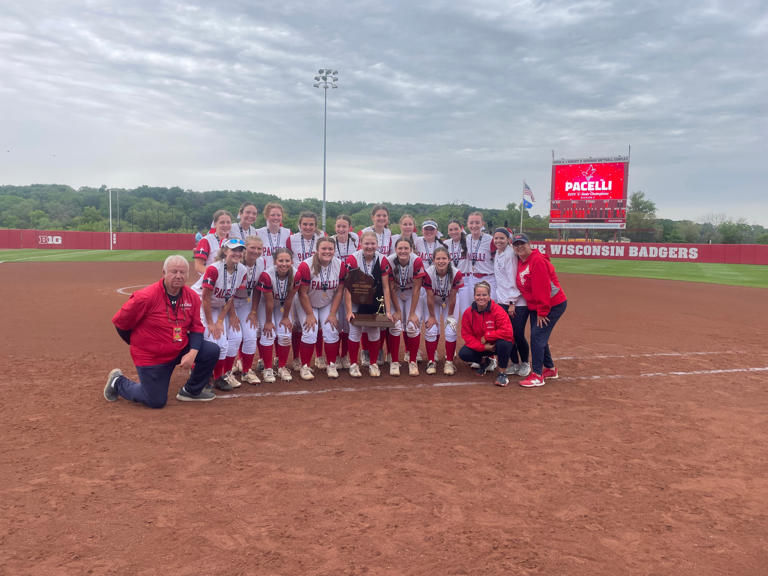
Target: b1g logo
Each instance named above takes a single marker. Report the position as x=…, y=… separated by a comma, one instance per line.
x=42, y=239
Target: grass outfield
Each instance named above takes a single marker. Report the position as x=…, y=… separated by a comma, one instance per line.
x=729, y=274
x=35, y=255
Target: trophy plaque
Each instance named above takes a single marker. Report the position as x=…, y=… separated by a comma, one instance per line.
x=371, y=311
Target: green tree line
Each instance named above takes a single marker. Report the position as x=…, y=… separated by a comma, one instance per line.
x=160, y=209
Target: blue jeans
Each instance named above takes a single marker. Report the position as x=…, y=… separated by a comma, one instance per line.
x=540, y=355
x=503, y=350
x=518, y=326
x=152, y=388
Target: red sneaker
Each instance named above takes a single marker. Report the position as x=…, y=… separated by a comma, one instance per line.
x=532, y=381
x=550, y=373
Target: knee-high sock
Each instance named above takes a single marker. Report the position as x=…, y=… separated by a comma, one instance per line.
x=282, y=355
x=266, y=354
x=373, y=349
x=393, y=343
x=354, y=350
x=431, y=349
x=413, y=346
x=296, y=344
x=247, y=362
x=306, y=353
x=450, y=351
x=218, y=369
x=331, y=352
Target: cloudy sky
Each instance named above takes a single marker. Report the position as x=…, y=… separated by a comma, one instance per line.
x=438, y=101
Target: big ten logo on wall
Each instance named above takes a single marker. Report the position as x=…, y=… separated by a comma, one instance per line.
x=49, y=239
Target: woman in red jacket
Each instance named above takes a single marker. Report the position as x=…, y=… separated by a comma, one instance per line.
x=538, y=283
x=486, y=330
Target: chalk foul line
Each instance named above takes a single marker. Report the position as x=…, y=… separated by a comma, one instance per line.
x=488, y=382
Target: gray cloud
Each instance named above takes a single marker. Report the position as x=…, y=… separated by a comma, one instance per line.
x=440, y=101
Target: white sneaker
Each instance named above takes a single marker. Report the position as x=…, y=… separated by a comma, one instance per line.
x=491, y=366
x=268, y=375
x=284, y=374
x=388, y=359
x=365, y=360
x=449, y=369
x=474, y=365
x=251, y=377
x=345, y=363
x=407, y=358
x=431, y=368
x=296, y=364
x=523, y=369
x=413, y=369
x=419, y=357
x=237, y=367
x=320, y=363
x=260, y=365
x=232, y=381
x=331, y=371
x=354, y=371
x=373, y=371
x=306, y=373
x=394, y=368
x=512, y=369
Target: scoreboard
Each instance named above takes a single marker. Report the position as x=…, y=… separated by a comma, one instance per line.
x=589, y=193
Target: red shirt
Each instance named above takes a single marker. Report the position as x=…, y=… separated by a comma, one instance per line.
x=492, y=324
x=538, y=283
x=151, y=319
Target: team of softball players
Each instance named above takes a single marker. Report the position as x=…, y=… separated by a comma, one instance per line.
x=277, y=292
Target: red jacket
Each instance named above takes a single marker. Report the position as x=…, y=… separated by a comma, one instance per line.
x=492, y=324
x=538, y=283
x=149, y=317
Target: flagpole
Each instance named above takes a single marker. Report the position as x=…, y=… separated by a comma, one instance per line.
x=522, y=205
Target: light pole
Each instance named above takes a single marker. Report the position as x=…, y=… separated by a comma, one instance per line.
x=326, y=78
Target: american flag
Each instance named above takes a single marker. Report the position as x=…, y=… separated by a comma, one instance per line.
x=527, y=191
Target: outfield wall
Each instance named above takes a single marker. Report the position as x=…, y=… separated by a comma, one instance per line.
x=707, y=253
x=704, y=253
x=72, y=240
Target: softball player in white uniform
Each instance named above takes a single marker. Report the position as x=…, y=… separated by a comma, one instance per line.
x=442, y=283
x=221, y=283
x=208, y=248
x=374, y=264
x=274, y=235
x=347, y=243
x=407, y=272
x=277, y=293
x=457, y=250
x=244, y=226
x=480, y=252
x=319, y=281
x=246, y=307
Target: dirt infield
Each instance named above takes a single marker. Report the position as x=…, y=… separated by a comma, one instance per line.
x=647, y=457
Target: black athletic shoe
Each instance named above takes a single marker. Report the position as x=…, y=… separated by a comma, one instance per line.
x=204, y=396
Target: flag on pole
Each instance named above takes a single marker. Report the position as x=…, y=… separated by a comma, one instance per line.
x=528, y=192
x=527, y=205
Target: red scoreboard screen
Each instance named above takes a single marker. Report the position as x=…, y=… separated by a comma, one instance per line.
x=589, y=193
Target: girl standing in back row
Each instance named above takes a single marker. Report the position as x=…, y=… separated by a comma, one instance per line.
x=480, y=252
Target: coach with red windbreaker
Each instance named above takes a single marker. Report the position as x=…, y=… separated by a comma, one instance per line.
x=538, y=283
